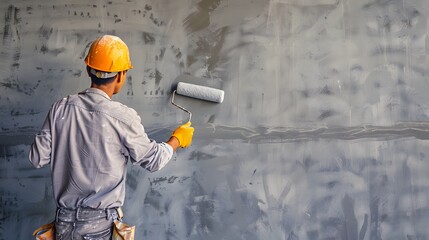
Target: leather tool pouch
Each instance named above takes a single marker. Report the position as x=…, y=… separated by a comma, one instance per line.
x=122, y=231
x=45, y=232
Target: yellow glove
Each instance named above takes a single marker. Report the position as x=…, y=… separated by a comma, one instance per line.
x=184, y=134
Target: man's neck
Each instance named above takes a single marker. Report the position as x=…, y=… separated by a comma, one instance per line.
x=108, y=89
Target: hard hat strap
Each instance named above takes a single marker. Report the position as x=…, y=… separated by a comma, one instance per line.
x=102, y=74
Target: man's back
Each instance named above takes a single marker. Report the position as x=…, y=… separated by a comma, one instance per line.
x=89, y=159
x=91, y=140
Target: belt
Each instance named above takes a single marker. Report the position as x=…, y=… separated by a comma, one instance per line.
x=83, y=214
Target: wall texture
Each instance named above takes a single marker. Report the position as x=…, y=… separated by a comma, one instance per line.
x=322, y=135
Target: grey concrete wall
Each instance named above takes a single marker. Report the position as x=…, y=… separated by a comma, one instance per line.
x=322, y=134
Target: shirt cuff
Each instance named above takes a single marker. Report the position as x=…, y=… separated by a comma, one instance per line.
x=168, y=148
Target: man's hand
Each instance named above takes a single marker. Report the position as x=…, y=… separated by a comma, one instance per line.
x=184, y=134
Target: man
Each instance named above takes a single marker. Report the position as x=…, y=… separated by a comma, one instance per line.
x=88, y=139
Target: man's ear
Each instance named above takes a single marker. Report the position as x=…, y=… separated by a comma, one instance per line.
x=120, y=76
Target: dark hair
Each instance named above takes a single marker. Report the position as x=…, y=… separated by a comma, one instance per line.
x=99, y=81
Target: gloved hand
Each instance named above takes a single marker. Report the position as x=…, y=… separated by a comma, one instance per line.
x=184, y=134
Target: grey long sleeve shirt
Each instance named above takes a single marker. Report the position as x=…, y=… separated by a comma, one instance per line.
x=88, y=139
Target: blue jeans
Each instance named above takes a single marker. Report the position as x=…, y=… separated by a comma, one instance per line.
x=84, y=224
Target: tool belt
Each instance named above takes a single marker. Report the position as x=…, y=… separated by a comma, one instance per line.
x=121, y=231
x=87, y=214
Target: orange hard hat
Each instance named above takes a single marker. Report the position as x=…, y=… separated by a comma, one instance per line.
x=109, y=54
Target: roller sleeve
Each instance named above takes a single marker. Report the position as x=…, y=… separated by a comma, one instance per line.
x=200, y=92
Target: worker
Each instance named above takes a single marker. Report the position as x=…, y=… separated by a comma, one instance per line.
x=88, y=138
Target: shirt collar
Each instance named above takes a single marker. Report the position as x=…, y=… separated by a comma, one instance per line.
x=96, y=91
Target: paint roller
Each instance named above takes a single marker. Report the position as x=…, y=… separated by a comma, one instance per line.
x=198, y=92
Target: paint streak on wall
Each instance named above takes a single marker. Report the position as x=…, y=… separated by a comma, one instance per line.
x=322, y=135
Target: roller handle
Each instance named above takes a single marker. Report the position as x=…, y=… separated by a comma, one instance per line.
x=184, y=109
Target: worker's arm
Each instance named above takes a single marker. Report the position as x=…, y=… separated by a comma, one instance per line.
x=148, y=153
x=40, y=151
